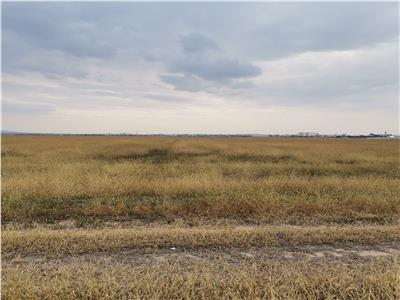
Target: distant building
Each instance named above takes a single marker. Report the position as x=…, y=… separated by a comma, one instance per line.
x=308, y=134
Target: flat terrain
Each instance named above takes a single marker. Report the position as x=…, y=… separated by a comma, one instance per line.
x=163, y=217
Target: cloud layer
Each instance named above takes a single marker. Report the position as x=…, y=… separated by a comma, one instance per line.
x=73, y=59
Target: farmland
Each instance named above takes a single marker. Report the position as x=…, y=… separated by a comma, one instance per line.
x=166, y=217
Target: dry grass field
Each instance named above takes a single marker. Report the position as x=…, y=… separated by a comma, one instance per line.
x=203, y=218
x=290, y=181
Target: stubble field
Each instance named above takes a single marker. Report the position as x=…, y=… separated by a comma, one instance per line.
x=162, y=217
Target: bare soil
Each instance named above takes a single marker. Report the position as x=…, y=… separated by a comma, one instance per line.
x=138, y=257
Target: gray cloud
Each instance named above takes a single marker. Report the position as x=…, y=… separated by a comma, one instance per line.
x=197, y=43
x=185, y=82
x=274, y=30
x=150, y=31
x=18, y=56
x=202, y=64
x=12, y=107
x=48, y=27
x=367, y=76
x=215, y=68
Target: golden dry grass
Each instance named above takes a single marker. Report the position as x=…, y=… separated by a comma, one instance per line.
x=274, y=180
x=218, y=279
x=83, y=241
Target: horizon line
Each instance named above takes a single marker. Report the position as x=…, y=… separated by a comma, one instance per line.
x=297, y=134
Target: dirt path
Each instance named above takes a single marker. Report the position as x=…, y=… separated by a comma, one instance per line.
x=135, y=257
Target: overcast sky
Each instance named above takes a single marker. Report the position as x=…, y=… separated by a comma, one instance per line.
x=200, y=67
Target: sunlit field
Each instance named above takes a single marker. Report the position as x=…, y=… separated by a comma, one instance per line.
x=165, y=217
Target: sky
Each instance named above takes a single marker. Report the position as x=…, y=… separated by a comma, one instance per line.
x=262, y=68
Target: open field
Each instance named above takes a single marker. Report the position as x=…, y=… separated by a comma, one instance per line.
x=163, y=217
x=264, y=180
